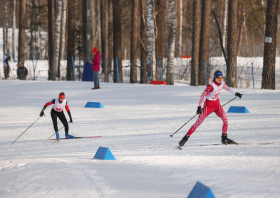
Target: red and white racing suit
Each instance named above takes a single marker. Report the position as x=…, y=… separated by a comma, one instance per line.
x=211, y=104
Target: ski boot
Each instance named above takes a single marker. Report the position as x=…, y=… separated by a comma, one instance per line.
x=57, y=135
x=68, y=136
x=226, y=140
x=183, y=141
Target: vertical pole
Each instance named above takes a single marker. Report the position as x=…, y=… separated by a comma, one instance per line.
x=88, y=33
x=117, y=69
x=14, y=31
x=205, y=73
x=159, y=69
x=253, y=76
x=73, y=68
x=33, y=63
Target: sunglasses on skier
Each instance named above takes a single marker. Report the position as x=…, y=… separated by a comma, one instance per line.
x=220, y=77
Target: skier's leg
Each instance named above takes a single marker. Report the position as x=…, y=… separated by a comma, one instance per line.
x=54, y=119
x=205, y=112
x=220, y=112
x=63, y=119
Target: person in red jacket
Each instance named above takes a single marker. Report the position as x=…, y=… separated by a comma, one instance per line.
x=96, y=68
x=57, y=111
x=212, y=104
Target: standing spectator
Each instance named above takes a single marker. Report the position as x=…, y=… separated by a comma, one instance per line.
x=22, y=72
x=96, y=68
x=6, y=66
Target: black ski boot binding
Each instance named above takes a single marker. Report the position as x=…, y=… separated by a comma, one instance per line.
x=183, y=141
x=226, y=140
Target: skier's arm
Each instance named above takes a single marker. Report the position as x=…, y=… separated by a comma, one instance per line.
x=232, y=91
x=69, y=113
x=45, y=106
x=228, y=89
x=208, y=90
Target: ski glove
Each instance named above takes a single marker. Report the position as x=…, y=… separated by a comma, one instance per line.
x=42, y=113
x=71, y=121
x=238, y=95
x=199, y=110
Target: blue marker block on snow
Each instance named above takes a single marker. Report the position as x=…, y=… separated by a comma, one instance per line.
x=236, y=109
x=104, y=153
x=94, y=105
x=200, y=191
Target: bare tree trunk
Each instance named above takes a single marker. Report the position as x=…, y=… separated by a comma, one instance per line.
x=51, y=37
x=134, y=41
x=184, y=28
x=14, y=31
x=150, y=39
x=143, y=74
x=180, y=27
x=110, y=36
x=195, y=42
x=71, y=39
x=231, y=77
x=204, y=43
x=5, y=19
x=177, y=27
x=240, y=35
x=84, y=28
x=102, y=15
x=161, y=31
x=171, y=44
x=268, y=73
x=117, y=41
x=22, y=27
x=58, y=8
x=62, y=35
x=105, y=46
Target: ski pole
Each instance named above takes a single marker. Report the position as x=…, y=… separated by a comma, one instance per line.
x=25, y=130
x=58, y=130
x=196, y=114
x=183, y=125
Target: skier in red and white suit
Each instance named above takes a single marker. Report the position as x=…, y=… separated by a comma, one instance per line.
x=57, y=111
x=212, y=104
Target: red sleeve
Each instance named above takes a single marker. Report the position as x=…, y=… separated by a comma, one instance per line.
x=208, y=90
x=67, y=107
x=49, y=103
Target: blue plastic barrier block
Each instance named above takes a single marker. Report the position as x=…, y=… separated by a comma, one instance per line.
x=201, y=191
x=94, y=105
x=236, y=109
x=87, y=73
x=104, y=153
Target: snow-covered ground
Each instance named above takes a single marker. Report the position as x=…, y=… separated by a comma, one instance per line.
x=135, y=125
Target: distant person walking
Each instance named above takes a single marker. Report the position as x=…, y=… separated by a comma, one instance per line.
x=22, y=72
x=96, y=68
x=6, y=66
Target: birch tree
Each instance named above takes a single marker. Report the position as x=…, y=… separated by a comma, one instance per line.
x=195, y=42
x=150, y=39
x=57, y=25
x=143, y=73
x=105, y=46
x=171, y=43
x=268, y=73
x=5, y=27
x=62, y=35
x=225, y=15
x=134, y=41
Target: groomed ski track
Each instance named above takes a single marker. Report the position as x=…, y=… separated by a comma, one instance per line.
x=135, y=125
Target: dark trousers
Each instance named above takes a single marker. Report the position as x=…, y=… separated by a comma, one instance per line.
x=62, y=118
x=95, y=79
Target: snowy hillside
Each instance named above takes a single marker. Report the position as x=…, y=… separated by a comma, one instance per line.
x=135, y=125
